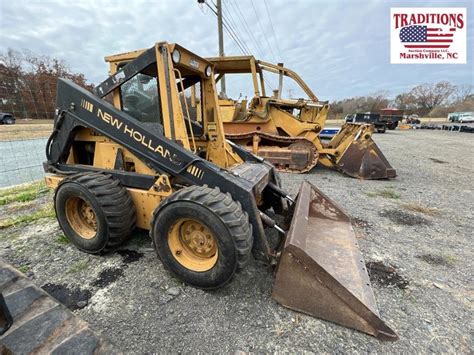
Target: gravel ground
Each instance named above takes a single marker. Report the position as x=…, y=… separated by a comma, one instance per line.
x=414, y=231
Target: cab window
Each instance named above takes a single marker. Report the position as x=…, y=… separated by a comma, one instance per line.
x=140, y=98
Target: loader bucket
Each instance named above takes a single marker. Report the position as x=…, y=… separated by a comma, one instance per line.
x=321, y=271
x=364, y=160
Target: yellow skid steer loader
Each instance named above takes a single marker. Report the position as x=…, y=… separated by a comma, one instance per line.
x=286, y=131
x=142, y=162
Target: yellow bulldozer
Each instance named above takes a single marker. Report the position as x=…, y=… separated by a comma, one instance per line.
x=286, y=132
x=128, y=155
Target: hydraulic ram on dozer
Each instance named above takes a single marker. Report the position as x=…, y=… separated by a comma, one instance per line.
x=320, y=270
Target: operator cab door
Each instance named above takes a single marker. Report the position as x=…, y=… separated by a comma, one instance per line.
x=140, y=98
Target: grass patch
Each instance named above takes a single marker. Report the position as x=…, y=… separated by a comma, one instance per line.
x=418, y=207
x=385, y=193
x=23, y=194
x=24, y=268
x=46, y=212
x=79, y=266
x=10, y=236
x=451, y=259
x=62, y=239
x=434, y=259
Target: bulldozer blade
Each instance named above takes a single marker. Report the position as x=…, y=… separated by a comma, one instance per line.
x=321, y=271
x=364, y=160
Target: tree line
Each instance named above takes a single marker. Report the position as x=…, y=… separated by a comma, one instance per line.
x=28, y=83
x=425, y=100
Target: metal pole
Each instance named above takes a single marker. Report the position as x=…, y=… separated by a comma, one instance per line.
x=221, y=40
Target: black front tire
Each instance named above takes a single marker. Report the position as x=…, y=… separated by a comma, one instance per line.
x=111, y=203
x=222, y=216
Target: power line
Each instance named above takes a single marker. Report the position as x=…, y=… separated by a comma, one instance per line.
x=231, y=29
x=227, y=23
x=245, y=25
x=263, y=30
x=242, y=46
x=229, y=16
x=272, y=85
x=273, y=30
x=236, y=40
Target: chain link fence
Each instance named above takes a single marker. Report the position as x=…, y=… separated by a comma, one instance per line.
x=31, y=100
x=21, y=161
x=27, y=96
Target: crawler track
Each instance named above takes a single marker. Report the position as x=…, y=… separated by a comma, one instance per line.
x=272, y=147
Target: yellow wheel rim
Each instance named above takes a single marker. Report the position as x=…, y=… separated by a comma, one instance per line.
x=193, y=245
x=81, y=217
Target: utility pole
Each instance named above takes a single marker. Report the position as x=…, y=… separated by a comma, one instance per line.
x=221, y=40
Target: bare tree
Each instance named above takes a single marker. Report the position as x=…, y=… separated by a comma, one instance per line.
x=376, y=101
x=462, y=93
x=28, y=83
x=429, y=96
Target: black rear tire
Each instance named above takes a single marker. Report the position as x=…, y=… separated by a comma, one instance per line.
x=221, y=216
x=100, y=196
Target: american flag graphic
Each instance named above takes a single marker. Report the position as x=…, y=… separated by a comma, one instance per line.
x=426, y=37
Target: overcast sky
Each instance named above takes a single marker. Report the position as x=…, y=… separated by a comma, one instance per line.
x=340, y=48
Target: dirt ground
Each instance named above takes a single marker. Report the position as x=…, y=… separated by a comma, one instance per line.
x=26, y=130
x=414, y=231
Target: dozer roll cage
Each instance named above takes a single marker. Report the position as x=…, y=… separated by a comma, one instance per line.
x=250, y=65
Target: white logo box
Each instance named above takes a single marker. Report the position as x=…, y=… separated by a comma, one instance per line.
x=428, y=35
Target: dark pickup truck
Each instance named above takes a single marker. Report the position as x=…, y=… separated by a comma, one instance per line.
x=391, y=117
x=372, y=118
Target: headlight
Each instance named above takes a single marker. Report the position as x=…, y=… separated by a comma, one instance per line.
x=208, y=71
x=176, y=56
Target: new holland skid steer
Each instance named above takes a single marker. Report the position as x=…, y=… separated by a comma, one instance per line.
x=286, y=131
x=208, y=203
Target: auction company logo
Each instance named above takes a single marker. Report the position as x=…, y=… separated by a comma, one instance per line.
x=433, y=35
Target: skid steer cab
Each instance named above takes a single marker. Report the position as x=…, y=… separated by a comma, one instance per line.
x=135, y=154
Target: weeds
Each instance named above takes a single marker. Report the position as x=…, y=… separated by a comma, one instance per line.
x=386, y=193
x=24, y=268
x=9, y=236
x=23, y=194
x=62, y=239
x=434, y=259
x=46, y=212
x=418, y=207
x=79, y=266
x=450, y=258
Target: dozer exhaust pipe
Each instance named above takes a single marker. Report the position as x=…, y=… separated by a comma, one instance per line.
x=321, y=271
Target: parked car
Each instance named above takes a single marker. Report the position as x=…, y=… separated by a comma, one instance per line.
x=7, y=118
x=454, y=116
x=466, y=117
x=373, y=118
x=413, y=119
